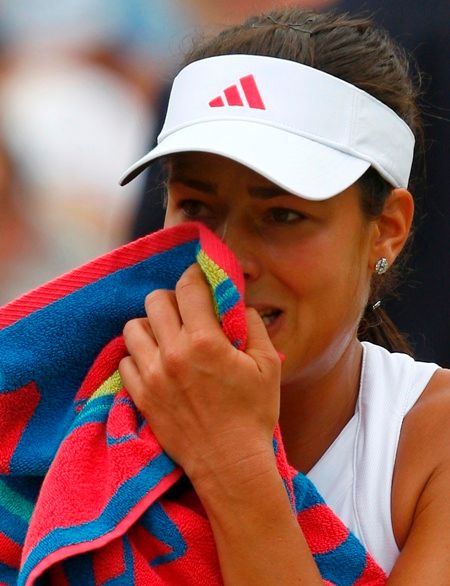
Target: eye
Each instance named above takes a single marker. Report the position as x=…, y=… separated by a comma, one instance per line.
x=285, y=216
x=193, y=208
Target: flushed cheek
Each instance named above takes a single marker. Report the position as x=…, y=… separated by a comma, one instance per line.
x=319, y=291
x=318, y=310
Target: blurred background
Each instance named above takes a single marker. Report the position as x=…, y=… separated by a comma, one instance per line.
x=83, y=84
x=78, y=81
x=81, y=87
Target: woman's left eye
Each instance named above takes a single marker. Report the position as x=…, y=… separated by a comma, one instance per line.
x=285, y=215
x=193, y=208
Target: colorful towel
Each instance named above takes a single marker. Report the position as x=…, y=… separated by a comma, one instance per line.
x=87, y=496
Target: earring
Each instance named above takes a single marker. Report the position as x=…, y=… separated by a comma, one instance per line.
x=382, y=266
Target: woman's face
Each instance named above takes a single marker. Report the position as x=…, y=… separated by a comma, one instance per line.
x=306, y=264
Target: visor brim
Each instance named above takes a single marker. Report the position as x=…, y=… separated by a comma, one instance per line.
x=298, y=164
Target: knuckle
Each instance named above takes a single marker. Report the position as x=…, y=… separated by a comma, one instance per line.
x=123, y=367
x=129, y=329
x=189, y=278
x=174, y=362
x=153, y=297
x=149, y=375
x=203, y=342
x=184, y=284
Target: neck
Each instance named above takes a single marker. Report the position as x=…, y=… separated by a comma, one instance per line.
x=313, y=413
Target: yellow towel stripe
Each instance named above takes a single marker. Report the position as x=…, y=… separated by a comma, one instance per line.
x=213, y=273
x=111, y=386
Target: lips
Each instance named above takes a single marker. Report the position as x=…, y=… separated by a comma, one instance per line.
x=269, y=315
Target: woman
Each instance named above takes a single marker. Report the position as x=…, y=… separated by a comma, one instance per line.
x=291, y=137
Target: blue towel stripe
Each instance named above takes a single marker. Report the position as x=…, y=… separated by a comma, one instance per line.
x=331, y=567
x=159, y=524
x=127, y=576
x=275, y=446
x=85, y=334
x=305, y=492
x=226, y=296
x=125, y=498
x=112, y=441
x=96, y=411
x=80, y=570
x=8, y=575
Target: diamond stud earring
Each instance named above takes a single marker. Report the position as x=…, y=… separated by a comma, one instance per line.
x=382, y=266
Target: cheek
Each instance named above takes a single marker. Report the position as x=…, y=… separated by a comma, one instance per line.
x=348, y=290
x=332, y=278
x=306, y=266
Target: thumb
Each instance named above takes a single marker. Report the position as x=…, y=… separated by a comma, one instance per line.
x=259, y=344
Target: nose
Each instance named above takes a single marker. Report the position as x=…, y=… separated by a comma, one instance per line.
x=240, y=238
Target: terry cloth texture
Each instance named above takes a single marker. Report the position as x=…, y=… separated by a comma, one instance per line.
x=87, y=496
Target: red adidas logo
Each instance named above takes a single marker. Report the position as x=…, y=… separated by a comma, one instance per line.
x=247, y=85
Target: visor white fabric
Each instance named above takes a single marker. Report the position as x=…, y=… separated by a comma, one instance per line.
x=305, y=130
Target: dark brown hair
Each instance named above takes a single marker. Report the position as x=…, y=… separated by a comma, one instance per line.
x=356, y=51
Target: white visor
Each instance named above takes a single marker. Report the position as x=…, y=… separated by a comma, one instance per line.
x=305, y=130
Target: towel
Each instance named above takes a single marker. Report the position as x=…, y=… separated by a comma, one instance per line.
x=87, y=495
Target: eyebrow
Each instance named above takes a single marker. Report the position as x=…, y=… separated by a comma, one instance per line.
x=267, y=192
x=204, y=186
x=209, y=187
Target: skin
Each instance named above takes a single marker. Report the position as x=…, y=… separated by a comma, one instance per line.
x=214, y=408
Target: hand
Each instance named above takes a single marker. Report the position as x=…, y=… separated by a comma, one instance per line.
x=210, y=405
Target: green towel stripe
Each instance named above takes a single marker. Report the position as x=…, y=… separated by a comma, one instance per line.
x=15, y=503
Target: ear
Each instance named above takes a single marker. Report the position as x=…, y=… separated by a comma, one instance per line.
x=392, y=227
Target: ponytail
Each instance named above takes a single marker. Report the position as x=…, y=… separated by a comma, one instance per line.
x=377, y=327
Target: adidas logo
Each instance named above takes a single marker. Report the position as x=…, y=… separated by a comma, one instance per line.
x=233, y=95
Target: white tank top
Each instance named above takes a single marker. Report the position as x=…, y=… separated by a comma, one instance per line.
x=354, y=476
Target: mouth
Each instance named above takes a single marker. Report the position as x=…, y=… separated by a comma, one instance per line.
x=269, y=316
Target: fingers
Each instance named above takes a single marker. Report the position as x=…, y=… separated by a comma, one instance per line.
x=145, y=337
x=131, y=378
x=170, y=316
x=258, y=338
x=195, y=302
x=163, y=316
x=140, y=342
x=259, y=345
